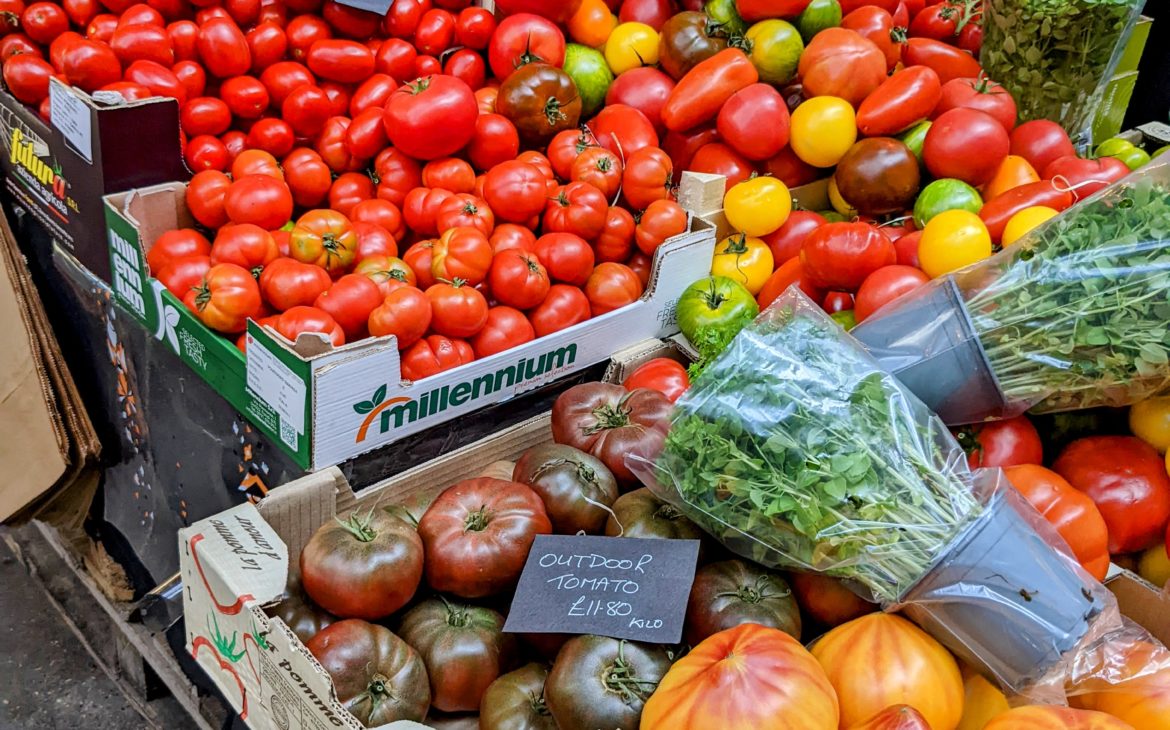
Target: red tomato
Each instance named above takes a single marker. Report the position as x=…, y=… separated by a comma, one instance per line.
x=403, y=16
x=282, y=77
x=461, y=254
x=174, y=245
x=350, y=21
x=509, y=236
x=790, y=169
x=405, y=312
x=754, y=122
x=837, y=301
x=623, y=130
x=184, y=37
x=205, y=197
x=421, y=209
x=388, y=272
x=15, y=44
x=226, y=299
x=245, y=245
x=877, y=25
x=577, y=208
x=945, y=60
x=27, y=78
x=839, y=256
x=294, y=322
x=267, y=45
x=206, y=152
x=431, y=117
x=435, y=32
x=139, y=13
x=1001, y=443
x=1084, y=177
x=427, y=66
x=418, y=257
x=518, y=279
x=223, y=48
x=662, y=374
x=349, y=189
x=662, y=220
x=495, y=142
x=522, y=38
x=789, y=273
x=382, y=213
x=80, y=12
x=434, y=354
x=259, y=199
x=462, y=209
x=373, y=93
x=129, y=91
x=396, y=174
x=308, y=177
x=903, y=100
x=1040, y=142
x=505, y=328
x=90, y=65
x=612, y=286
x=885, y=285
x=538, y=160
x=182, y=275
x=457, y=310
x=566, y=147
x=245, y=96
x=449, y=173
x=616, y=241
x=653, y=13
x=373, y=240
x=719, y=159
x=966, y=144
x=474, y=28
x=44, y=21
x=907, y=249
x=556, y=12
x=600, y=168
x=287, y=283
x=564, y=307
x=159, y=79
x=567, y=257
x=272, y=135
x=842, y=63
x=142, y=42
x=395, y=57
x=350, y=301
x=786, y=241
x=1126, y=478
x=648, y=177
x=645, y=89
x=302, y=32
x=102, y=27
x=205, y=115
x=347, y=62
x=982, y=94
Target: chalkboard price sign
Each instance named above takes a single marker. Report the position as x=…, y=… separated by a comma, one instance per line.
x=621, y=587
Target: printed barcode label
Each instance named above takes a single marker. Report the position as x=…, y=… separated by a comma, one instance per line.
x=288, y=434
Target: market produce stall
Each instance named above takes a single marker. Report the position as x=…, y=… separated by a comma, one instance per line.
x=840, y=261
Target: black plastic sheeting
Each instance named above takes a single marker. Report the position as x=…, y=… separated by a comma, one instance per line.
x=174, y=451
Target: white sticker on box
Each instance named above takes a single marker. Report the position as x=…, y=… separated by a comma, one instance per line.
x=71, y=116
x=273, y=381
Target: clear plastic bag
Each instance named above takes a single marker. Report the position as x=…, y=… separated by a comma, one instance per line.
x=1056, y=57
x=795, y=449
x=1074, y=315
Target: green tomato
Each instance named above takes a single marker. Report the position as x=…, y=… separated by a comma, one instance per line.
x=724, y=15
x=1160, y=151
x=819, y=14
x=776, y=49
x=943, y=195
x=714, y=305
x=915, y=137
x=1133, y=158
x=592, y=75
x=832, y=216
x=845, y=318
x=1113, y=147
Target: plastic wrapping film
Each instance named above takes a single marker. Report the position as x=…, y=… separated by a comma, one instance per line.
x=1074, y=315
x=795, y=449
x=1057, y=57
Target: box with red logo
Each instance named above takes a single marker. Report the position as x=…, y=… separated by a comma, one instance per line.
x=93, y=147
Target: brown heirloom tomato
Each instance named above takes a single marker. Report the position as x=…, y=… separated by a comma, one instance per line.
x=378, y=676
x=367, y=566
x=477, y=536
x=463, y=647
x=515, y=701
x=686, y=40
x=733, y=592
x=640, y=514
x=299, y=614
x=541, y=100
x=609, y=422
x=878, y=176
x=598, y=682
x=572, y=484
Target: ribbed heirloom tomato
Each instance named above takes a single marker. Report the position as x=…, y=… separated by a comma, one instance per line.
x=564, y=307
x=1072, y=513
x=350, y=301
x=612, y=286
x=294, y=322
x=461, y=253
x=226, y=299
x=287, y=283
x=518, y=279
x=324, y=238
x=434, y=354
x=457, y=309
x=578, y=208
x=504, y=329
x=405, y=313
x=245, y=245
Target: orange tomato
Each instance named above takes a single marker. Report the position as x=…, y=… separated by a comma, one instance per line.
x=1143, y=701
x=1013, y=172
x=1072, y=513
x=1035, y=717
x=746, y=678
x=592, y=24
x=982, y=701
x=881, y=660
x=898, y=717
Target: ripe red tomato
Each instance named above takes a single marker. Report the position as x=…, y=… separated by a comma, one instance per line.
x=518, y=279
x=405, y=313
x=365, y=135
x=475, y=27
x=877, y=25
x=245, y=245
x=302, y=32
x=89, y=65
x=142, y=42
x=27, y=78
x=282, y=77
x=348, y=62
x=465, y=210
x=982, y=94
x=226, y=299
x=461, y=254
x=431, y=117
x=564, y=149
x=612, y=286
x=907, y=249
x=373, y=93
x=421, y=209
x=719, y=159
x=648, y=177
x=192, y=76
x=885, y=285
x=102, y=27
x=1083, y=177
x=786, y=241
x=564, y=307
x=159, y=79
x=495, y=142
x=382, y=213
x=966, y=144
x=435, y=32
x=294, y=322
x=403, y=16
x=373, y=240
x=509, y=236
x=577, y=208
x=205, y=115
x=661, y=221
x=349, y=189
x=245, y=96
x=556, y=12
x=505, y=328
x=623, y=130
x=223, y=48
x=457, y=310
x=946, y=60
x=272, y=135
x=44, y=21
x=181, y=275
x=600, y=168
x=754, y=122
x=662, y=374
x=789, y=273
x=80, y=12
x=645, y=89
x=15, y=44
x=259, y=199
x=516, y=191
x=616, y=241
x=1127, y=480
x=396, y=174
x=350, y=300
x=176, y=244
x=449, y=173
x=1040, y=142
x=308, y=177
x=205, y=198
x=524, y=38
x=839, y=256
x=350, y=21
x=434, y=354
x=653, y=13
x=567, y=257
x=1001, y=443
x=256, y=162
x=287, y=283
x=267, y=45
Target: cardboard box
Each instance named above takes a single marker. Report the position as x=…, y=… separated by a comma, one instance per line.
x=325, y=405
x=92, y=148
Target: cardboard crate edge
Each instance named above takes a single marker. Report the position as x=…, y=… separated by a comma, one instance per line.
x=337, y=384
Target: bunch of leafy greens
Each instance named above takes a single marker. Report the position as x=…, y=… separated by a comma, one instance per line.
x=1056, y=56
x=795, y=449
x=1077, y=314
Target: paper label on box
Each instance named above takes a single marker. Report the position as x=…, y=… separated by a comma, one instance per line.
x=273, y=381
x=71, y=116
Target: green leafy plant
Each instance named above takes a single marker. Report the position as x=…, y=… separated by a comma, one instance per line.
x=1077, y=314
x=1055, y=56
x=797, y=450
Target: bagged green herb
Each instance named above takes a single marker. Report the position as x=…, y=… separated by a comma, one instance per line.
x=1057, y=56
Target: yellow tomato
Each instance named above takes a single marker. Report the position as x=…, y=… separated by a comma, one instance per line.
x=592, y=24
x=823, y=130
x=1024, y=221
x=1154, y=565
x=839, y=203
x=631, y=45
x=951, y=240
x=1150, y=421
x=758, y=206
x=981, y=701
x=1013, y=172
x=744, y=259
